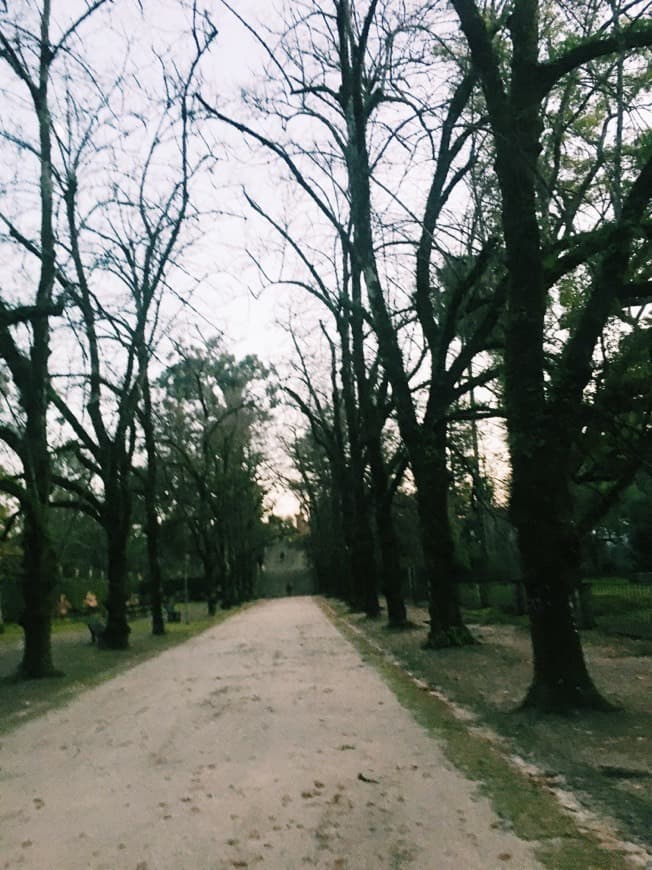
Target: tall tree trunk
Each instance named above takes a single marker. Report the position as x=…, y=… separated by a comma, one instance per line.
x=415, y=436
x=364, y=557
x=550, y=560
x=38, y=584
x=336, y=561
x=390, y=566
x=117, y=527
x=154, y=567
x=221, y=577
x=39, y=564
x=478, y=507
x=152, y=527
x=354, y=597
x=38, y=555
x=537, y=449
x=426, y=446
x=33, y=384
x=152, y=531
x=538, y=446
x=347, y=523
x=432, y=480
x=354, y=377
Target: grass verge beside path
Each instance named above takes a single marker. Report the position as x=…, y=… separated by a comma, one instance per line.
x=84, y=665
x=521, y=798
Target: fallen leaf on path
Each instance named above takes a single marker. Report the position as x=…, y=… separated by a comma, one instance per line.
x=364, y=778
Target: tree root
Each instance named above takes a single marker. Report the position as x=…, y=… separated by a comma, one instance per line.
x=565, y=698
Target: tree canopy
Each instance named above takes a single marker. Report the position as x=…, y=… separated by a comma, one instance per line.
x=449, y=209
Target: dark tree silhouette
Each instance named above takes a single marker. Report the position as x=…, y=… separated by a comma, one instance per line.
x=544, y=401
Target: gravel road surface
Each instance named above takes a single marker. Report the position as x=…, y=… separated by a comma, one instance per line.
x=264, y=742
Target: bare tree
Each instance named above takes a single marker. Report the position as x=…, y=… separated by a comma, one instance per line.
x=130, y=242
x=354, y=69
x=334, y=428
x=31, y=49
x=349, y=426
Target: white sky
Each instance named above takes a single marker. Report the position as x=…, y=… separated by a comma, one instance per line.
x=231, y=295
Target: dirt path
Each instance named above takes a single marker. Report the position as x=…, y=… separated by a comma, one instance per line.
x=265, y=741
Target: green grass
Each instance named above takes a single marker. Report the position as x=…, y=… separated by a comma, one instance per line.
x=621, y=596
x=83, y=665
x=621, y=607
x=500, y=596
x=532, y=811
x=493, y=616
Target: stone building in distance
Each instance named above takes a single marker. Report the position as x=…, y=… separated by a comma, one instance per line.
x=285, y=569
